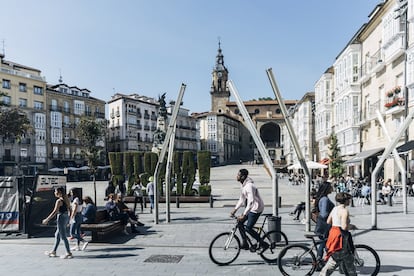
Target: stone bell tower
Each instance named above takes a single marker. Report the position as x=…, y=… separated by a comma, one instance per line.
x=220, y=94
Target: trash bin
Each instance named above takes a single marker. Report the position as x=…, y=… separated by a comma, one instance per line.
x=274, y=223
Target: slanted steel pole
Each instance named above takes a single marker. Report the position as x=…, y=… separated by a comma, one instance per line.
x=168, y=174
x=161, y=157
x=295, y=145
x=379, y=165
x=397, y=159
x=260, y=146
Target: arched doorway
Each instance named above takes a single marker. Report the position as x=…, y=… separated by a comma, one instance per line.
x=270, y=135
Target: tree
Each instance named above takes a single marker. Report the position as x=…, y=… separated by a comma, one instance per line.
x=13, y=123
x=91, y=135
x=336, y=168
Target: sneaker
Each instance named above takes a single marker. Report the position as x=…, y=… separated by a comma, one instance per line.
x=85, y=244
x=50, y=253
x=244, y=247
x=295, y=218
x=67, y=256
x=71, y=238
x=140, y=223
x=75, y=248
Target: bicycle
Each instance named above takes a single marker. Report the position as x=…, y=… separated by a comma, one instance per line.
x=300, y=259
x=225, y=247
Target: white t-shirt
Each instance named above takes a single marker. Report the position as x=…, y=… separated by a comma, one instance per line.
x=77, y=201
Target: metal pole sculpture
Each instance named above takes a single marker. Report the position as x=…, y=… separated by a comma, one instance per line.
x=259, y=143
x=164, y=148
x=295, y=145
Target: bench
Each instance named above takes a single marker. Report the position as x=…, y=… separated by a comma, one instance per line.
x=103, y=226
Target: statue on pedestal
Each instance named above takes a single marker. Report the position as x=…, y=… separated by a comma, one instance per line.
x=159, y=134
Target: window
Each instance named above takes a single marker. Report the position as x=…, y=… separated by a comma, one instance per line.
x=6, y=84
x=22, y=87
x=63, y=90
x=38, y=90
x=6, y=100
x=38, y=105
x=79, y=107
x=23, y=102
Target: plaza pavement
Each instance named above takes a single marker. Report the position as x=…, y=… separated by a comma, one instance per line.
x=182, y=244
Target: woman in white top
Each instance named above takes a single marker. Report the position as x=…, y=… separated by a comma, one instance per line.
x=339, y=244
x=76, y=220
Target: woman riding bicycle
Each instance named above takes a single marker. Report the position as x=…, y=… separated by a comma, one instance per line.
x=340, y=247
x=254, y=207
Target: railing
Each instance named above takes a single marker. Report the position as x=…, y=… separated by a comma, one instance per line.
x=9, y=158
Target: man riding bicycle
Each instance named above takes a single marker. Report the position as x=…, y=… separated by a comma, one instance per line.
x=254, y=207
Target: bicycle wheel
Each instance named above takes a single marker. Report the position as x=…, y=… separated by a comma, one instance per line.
x=276, y=241
x=367, y=261
x=297, y=259
x=224, y=248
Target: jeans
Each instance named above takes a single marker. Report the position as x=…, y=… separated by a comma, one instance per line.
x=251, y=221
x=151, y=199
x=61, y=222
x=343, y=259
x=75, y=228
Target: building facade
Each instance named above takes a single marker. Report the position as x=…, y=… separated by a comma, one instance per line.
x=132, y=122
x=24, y=88
x=66, y=106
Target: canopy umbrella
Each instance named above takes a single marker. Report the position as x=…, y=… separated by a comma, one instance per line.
x=55, y=170
x=311, y=165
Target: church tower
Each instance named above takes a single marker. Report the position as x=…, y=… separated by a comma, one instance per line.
x=220, y=94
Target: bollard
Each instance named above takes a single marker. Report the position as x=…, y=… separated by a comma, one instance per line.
x=177, y=201
x=389, y=199
x=211, y=201
x=280, y=202
x=273, y=223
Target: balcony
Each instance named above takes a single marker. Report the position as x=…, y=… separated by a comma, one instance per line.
x=24, y=158
x=153, y=117
x=370, y=113
x=25, y=141
x=88, y=113
x=9, y=158
x=146, y=116
x=9, y=140
x=66, y=110
x=100, y=115
x=55, y=108
x=146, y=127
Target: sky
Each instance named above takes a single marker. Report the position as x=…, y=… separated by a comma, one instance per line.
x=150, y=47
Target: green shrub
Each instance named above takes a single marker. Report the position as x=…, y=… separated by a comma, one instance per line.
x=204, y=163
x=204, y=190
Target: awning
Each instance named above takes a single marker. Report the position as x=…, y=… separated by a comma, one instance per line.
x=364, y=155
x=404, y=148
x=325, y=161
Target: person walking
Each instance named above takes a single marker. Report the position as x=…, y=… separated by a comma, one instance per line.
x=254, y=207
x=61, y=210
x=325, y=206
x=150, y=192
x=76, y=220
x=340, y=247
x=137, y=188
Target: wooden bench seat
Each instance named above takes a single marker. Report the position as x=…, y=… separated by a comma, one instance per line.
x=103, y=227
